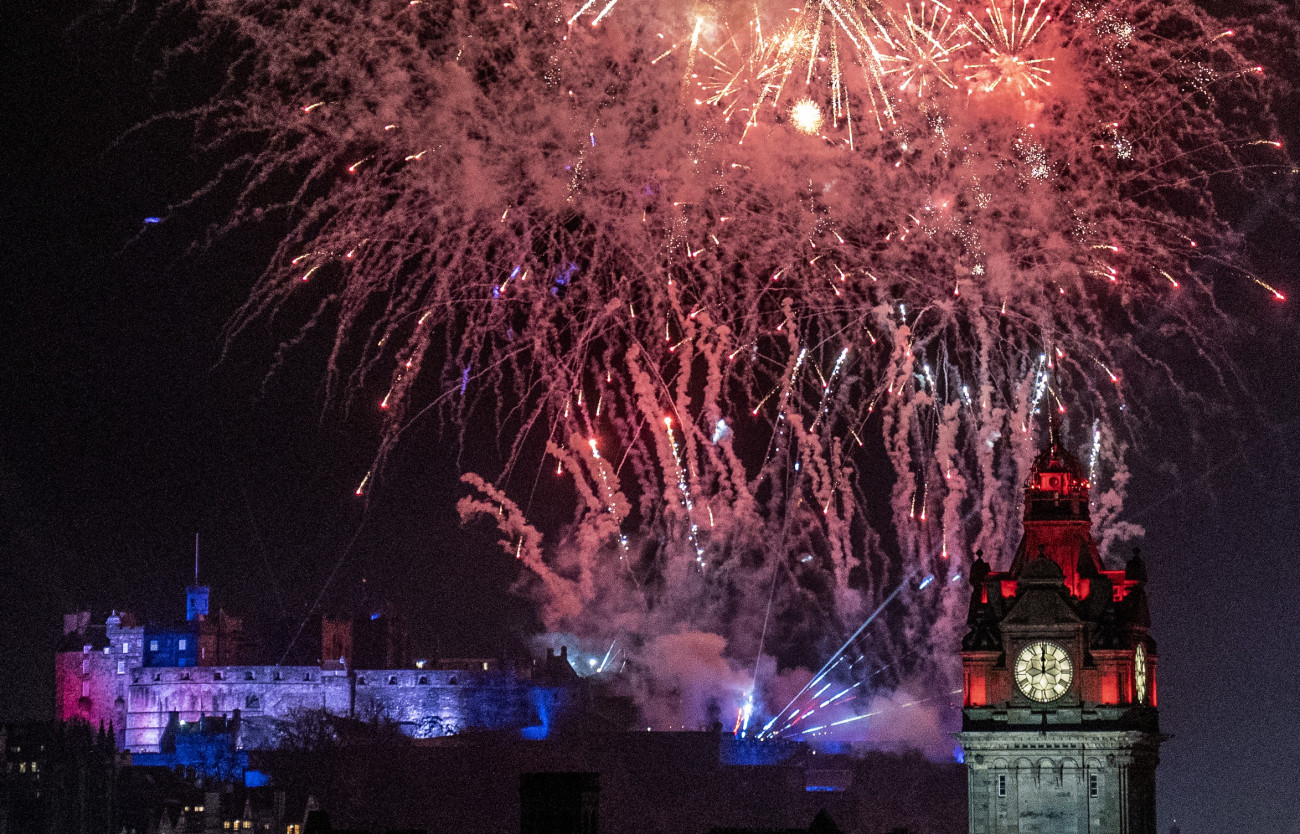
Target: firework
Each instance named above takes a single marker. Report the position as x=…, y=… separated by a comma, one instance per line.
x=1009, y=37
x=848, y=251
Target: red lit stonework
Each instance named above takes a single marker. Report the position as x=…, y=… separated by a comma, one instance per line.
x=1059, y=674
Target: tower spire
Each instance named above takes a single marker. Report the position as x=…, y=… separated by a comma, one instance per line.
x=196, y=595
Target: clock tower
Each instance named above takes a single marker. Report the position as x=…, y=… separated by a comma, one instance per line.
x=1059, y=720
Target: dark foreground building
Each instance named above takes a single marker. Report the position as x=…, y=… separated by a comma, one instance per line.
x=678, y=783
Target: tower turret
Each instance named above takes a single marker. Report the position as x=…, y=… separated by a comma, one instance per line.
x=1057, y=523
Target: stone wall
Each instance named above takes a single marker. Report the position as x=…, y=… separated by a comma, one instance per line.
x=91, y=684
x=256, y=691
x=425, y=703
x=432, y=703
x=1065, y=783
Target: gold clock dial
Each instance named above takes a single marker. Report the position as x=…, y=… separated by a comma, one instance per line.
x=1140, y=673
x=1043, y=671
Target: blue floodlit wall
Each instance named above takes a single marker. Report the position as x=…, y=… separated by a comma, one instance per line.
x=196, y=602
x=750, y=751
x=208, y=747
x=171, y=646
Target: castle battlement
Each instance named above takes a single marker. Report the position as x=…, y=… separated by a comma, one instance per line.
x=113, y=677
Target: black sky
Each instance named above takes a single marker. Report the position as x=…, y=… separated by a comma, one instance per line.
x=124, y=431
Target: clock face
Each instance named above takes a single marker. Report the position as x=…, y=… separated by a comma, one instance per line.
x=1140, y=673
x=1043, y=671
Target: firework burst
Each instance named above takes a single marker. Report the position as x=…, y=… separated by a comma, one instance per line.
x=726, y=348
x=923, y=44
x=1009, y=36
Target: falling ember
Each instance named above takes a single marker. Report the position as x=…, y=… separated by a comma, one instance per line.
x=1277, y=295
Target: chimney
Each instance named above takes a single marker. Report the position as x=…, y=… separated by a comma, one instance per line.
x=76, y=623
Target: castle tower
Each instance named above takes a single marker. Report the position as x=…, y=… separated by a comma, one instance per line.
x=1059, y=723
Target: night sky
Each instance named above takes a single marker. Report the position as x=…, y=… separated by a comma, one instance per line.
x=128, y=426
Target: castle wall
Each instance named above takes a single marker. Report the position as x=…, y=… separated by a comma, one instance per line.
x=426, y=703
x=256, y=691
x=431, y=703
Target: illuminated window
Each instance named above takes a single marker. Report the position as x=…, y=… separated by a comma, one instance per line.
x=293, y=828
x=121, y=667
x=198, y=809
x=85, y=689
x=1092, y=785
x=1002, y=785
x=85, y=666
x=226, y=825
x=36, y=766
x=153, y=645
x=22, y=767
x=248, y=824
x=126, y=648
x=180, y=644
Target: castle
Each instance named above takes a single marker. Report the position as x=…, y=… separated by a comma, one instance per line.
x=148, y=681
